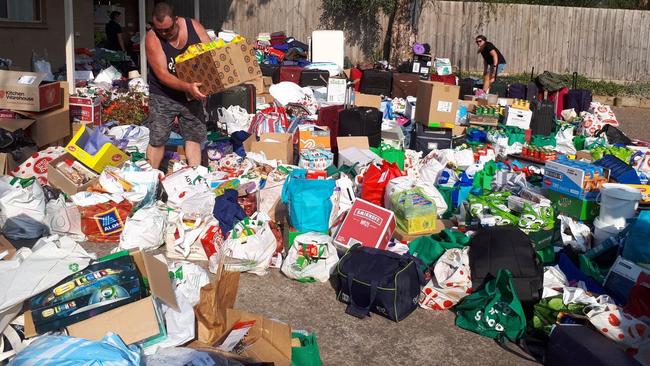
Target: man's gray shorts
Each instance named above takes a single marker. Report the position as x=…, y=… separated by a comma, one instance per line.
x=163, y=110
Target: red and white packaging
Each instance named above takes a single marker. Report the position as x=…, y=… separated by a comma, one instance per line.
x=367, y=224
x=85, y=110
x=36, y=165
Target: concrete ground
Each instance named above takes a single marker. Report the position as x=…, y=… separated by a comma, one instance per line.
x=424, y=338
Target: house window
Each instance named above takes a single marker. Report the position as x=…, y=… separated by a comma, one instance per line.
x=21, y=11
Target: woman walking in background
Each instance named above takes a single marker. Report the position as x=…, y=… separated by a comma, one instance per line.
x=493, y=61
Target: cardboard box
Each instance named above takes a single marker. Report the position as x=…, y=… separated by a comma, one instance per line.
x=134, y=322
x=483, y=120
x=107, y=155
x=579, y=209
x=264, y=99
x=278, y=146
x=436, y=102
x=584, y=155
x=505, y=101
x=345, y=142
x=572, y=177
x=518, y=117
x=59, y=180
x=258, y=83
x=7, y=250
x=315, y=137
x=367, y=224
x=645, y=192
x=267, y=340
x=367, y=100
x=268, y=81
x=27, y=91
x=85, y=110
x=470, y=104
x=221, y=68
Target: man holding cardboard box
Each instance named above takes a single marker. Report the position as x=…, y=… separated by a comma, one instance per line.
x=168, y=96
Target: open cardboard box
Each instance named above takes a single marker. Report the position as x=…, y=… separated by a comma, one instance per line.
x=314, y=137
x=269, y=341
x=134, y=322
x=28, y=91
x=59, y=180
x=278, y=146
x=367, y=100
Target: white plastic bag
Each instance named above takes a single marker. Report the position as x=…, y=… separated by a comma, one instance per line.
x=182, y=238
x=311, y=258
x=564, y=139
x=251, y=244
x=64, y=219
x=144, y=230
x=181, y=182
x=137, y=137
x=451, y=281
x=22, y=209
x=401, y=184
x=235, y=118
x=578, y=236
x=199, y=203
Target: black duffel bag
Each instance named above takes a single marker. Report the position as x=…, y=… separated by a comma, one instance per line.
x=380, y=281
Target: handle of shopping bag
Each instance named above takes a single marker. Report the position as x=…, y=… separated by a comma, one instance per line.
x=354, y=309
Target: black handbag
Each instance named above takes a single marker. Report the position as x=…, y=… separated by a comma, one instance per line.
x=380, y=281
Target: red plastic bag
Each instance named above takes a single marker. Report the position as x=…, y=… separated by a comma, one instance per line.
x=376, y=179
x=638, y=302
x=104, y=222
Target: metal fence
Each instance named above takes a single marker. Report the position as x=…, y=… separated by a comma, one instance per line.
x=609, y=44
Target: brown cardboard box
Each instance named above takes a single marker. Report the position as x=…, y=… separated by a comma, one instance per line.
x=7, y=250
x=7, y=163
x=133, y=322
x=436, y=103
x=318, y=138
x=268, y=81
x=584, y=155
x=276, y=146
x=27, y=91
x=85, y=110
x=214, y=69
x=245, y=61
x=258, y=83
x=367, y=100
x=470, y=104
x=271, y=340
x=58, y=180
x=345, y=142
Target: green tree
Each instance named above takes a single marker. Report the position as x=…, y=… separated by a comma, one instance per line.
x=360, y=18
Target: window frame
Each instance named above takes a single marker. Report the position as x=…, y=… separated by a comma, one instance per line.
x=41, y=23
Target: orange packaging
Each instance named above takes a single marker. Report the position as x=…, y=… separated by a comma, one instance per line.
x=104, y=222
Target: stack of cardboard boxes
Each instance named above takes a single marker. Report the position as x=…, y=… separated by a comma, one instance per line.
x=28, y=102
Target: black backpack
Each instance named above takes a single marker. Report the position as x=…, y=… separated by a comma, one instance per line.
x=614, y=135
x=508, y=247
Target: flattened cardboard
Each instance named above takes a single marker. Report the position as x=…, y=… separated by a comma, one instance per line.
x=352, y=141
x=27, y=91
x=367, y=100
x=436, y=102
x=7, y=250
x=276, y=146
x=7, y=163
x=271, y=339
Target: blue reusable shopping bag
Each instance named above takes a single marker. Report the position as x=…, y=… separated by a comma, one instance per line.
x=308, y=200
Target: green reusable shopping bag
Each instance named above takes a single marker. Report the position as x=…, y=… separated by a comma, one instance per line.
x=515, y=134
x=307, y=354
x=429, y=248
x=579, y=142
x=542, y=141
x=446, y=193
x=495, y=311
x=390, y=154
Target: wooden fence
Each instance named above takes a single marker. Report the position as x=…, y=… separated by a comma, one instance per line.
x=609, y=44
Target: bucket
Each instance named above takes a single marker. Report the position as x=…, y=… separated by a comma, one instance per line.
x=603, y=231
x=617, y=203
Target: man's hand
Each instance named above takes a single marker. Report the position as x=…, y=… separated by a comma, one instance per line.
x=194, y=92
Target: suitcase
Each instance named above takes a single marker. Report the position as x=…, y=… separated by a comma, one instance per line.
x=558, y=99
x=405, y=85
x=572, y=344
x=578, y=99
x=517, y=91
x=499, y=88
x=271, y=70
x=361, y=121
x=466, y=87
x=290, y=73
x=447, y=79
x=242, y=95
x=425, y=139
x=315, y=78
x=543, y=120
x=531, y=88
x=376, y=82
x=328, y=46
x=329, y=116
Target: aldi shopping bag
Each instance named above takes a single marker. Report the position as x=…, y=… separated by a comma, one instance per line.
x=495, y=311
x=104, y=222
x=311, y=258
x=308, y=200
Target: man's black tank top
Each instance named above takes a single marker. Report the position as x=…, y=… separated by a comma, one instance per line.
x=155, y=85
